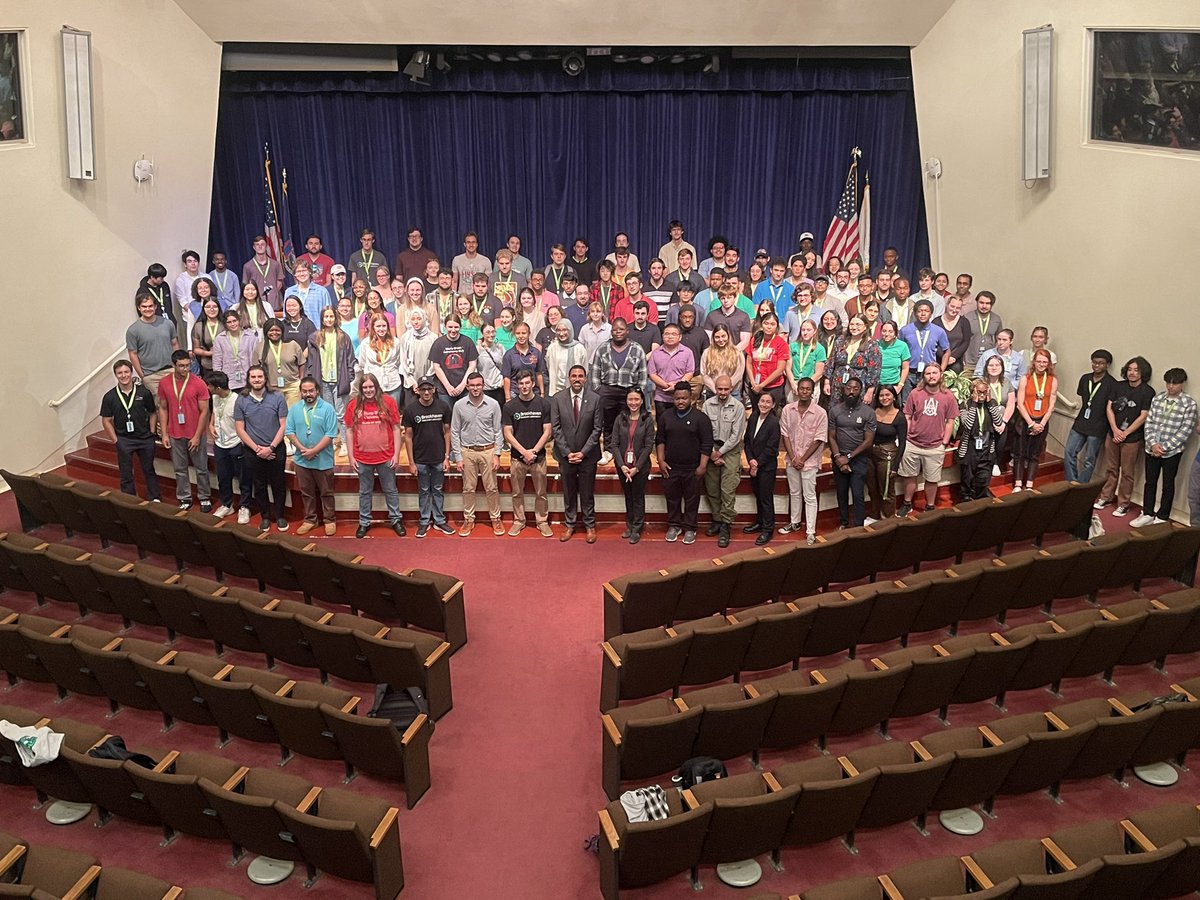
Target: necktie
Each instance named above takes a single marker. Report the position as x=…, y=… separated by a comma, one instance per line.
x=576, y=401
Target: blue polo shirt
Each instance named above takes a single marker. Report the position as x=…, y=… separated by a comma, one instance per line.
x=260, y=417
x=927, y=344
x=780, y=296
x=309, y=424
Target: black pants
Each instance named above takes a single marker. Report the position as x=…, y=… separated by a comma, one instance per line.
x=851, y=484
x=143, y=449
x=612, y=401
x=1168, y=467
x=235, y=462
x=763, y=484
x=975, y=476
x=269, y=473
x=579, y=491
x=682, y=489
x=635, y=500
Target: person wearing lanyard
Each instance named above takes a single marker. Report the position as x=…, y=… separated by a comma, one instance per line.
x=1090, y=427
x=927, y=343
x=727, y=420
x=556, y=273
x=1037, y=392
x=183, y=417
x=233, y=350
x=229, y=289
x=260, y=419
x=762, y=452
x=331, y=362
x=265, y=273
x=364, y=262
x=282, y=360
x=632, y=440
x=155, y=285
x=985, y=324
x=505, y=283
x=1170, y=424
x=229, y=452
x=130, y=418
x=777, y=290
x=313, y=297
x=606, y=291
x=311, y=428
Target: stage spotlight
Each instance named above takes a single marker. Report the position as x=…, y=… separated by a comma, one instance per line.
x=417, y=69
x=524, y=55
x=440, y=63
x=677, y=59
x=649, y=58
x=495, y=57
x=714, y=65
x=573, y=63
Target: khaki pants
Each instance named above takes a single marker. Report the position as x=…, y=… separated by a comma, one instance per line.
x=518, y=469
x=477, y=466
x=721, y=484
x=1121, y=460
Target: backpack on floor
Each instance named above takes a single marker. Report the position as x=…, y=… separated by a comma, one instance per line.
x=698, y=769
x=400, y=706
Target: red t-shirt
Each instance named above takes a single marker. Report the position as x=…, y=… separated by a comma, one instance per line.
x=374, y=439
x=192, y=391
x=765, y=358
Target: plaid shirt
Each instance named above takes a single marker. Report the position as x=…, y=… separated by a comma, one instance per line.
x=1170, y=423
x=630, y=374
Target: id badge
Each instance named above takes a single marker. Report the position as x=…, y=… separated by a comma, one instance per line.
x=279, y=381
x=629, y=457
x=979, y=442
x=181, y=419
x=1037, y=405
x=129, y=426
x=845, y=376
x=1087, y=412
x=921, y=367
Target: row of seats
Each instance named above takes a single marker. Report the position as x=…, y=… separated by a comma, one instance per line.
x=650, y=738
x=1151, y=854
x=47, y=873
x=418, y=597
x=311, y=719
x=349, y=646
x=692, y=590
x=815, y=800
x=344, y=833
x=712, y=648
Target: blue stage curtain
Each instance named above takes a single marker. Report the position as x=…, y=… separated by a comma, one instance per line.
x=758, y=153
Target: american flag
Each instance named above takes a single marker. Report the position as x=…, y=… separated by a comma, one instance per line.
x=842, y=238
x=271, y=226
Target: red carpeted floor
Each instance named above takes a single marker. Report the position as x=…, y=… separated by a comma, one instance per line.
x=516, y=763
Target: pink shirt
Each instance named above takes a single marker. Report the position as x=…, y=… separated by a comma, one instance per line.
x=801, y=429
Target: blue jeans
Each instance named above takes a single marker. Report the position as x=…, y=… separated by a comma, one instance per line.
x=330, y=395
x=430, y=498
x=1090, y=445
x=366, y=485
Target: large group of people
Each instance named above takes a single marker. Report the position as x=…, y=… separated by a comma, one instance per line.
x=701, y=368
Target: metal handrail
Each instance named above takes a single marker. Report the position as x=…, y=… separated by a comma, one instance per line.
x=54, y=404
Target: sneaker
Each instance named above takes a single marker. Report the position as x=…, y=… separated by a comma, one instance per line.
x=497, y=528
x=222, y=511
x=185, y=506
x=673, y=534
x=361, y=532
x=1158, y=521
x=1017, y=489
x=205, y=506
x=445, y=528
x=1101, y=503
x=1142, y=521
x=516, y=528
x=468, y=526
x=625, y=534
x=811, y=539
x=996, y=473
x=265, y=524
x=790, y=528
x=399, y=528
x=545, y=530
x=605, y=458
x=869, y=521
x=243, y=516
x=1121, y=511
x=330, y=529
x=306, y=528
x=904, y=511
x=689, y=537
x=635, y=537
x=281, y=524
x=422, y=530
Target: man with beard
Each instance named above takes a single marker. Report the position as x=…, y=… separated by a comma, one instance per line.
x=851, y=435
x=930, y=411
x=575, y=418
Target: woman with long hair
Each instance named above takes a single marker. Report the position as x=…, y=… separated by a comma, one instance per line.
x=871, y=314
x=253, y=312
x=331, y=362
x=767, y=360
x=375, y=306
x=762, y=454
x=529, y=312
x=358, y=297
x=472, y=325
x=828, y=332
x=491, y=363
x=545, y=337
x=417, y=342
x=379, y=355
x=808, y=358
x=757, y=275
x=1001, y=393
x=372, y=421
x=980, y=425
x=506, y=328
x=631, y=441
x=855, y=355
x=234, y=350
x=722, y=357
x=383, y=284
x=891, y=434
x=284, y=362
x=297, y=327
x=895, y=355
x=206, y=329
x=348, y=321
x=833, y=265
x=1037, y=392
x=562, y=353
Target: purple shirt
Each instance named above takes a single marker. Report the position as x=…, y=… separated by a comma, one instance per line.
x=672, y=367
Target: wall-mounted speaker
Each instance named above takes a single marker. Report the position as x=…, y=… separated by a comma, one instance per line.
x=77, y=79
x=1039, y=74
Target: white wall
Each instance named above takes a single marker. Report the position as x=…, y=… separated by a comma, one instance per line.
x=1102, y=253
x=74, y=251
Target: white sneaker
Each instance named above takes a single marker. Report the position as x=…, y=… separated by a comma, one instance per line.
x=996, y=473
x=222, y=511
x=605, y=458
x=1158, y=521
x=1141, y=521
x=1017, y=489
x=244, y=516
x=869, y=521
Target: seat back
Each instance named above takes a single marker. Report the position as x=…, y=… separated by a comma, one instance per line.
x=977, y=774
x=869, y=698
x=802, y=714
x=862, y=554
x=733, y=729
x=1075, y=512
x=140, y=522
x=827, y=809
x=252, y=822
x=176, y=527
x=1038, y=507
x=109, y=786
x=708, y=588
x=744, y=827
x=352, y=837
x=717, y=653
x=761, y=575
x=175, y=793
x=778, y=636
x=374, y=745
x=837, y=622
x=654, y=850
x=813, y=566
x=32, y=506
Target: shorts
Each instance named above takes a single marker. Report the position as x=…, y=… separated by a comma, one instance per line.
x=924, y=461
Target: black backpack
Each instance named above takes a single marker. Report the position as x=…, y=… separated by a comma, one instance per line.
x=114, y=747
x=698, y=769
x=400, y=706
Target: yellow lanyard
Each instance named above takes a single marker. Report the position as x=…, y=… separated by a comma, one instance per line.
x=221, y=284
x=277, y=352
x=997, y=391
x=604, y=294
x=556, y=272
x=263, y=270
x=983, y=325
x=367, y=262
x=1039, y=390
x=329, y=356
x=806, y=350
x=212, y=332
x=235, y=344
x=128, y=406
x=1092, y=391
x=179, y=391
x=919, y=333
x=307, y=420
x=158, y=295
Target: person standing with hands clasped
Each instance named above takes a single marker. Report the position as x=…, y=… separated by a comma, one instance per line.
x=373, y=423
x=931, y=411
x=682, y=445
x=576, y=418
x=1037, y=393
x=130, y=417
x=260, y=420
x=851, y=435
x=728, y=418
x=312, y=425
x=762, y=451
x=632, y=440
x=1171, y=422
x=427, y=444
x=527, y=430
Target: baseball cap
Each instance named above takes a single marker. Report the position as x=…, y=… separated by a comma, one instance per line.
x=425, y=381
x=805, y=234
x=761, y=251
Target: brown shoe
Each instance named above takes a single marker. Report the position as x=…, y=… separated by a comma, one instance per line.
x=468, y=526
x=330, y=529
x=591, y=535
x=498, y=527
x=568, y=533
x=544, y=529
x=306, y=528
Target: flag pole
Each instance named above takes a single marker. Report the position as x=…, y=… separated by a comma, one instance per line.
x=855, y=153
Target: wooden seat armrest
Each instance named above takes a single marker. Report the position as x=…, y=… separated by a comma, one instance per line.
x=681, y=704
x=325, y=618
x=768, y=551
x=977, y=873
x=351, y=706
x=382, y=828
x=1108, y=616
x=174, y=893
x=821, y=539
x=772, y=782
x=309, y=548
x=1119, y=708
x=951, y=573
x=174, y=579
x=43, y=722
x=1058, y=629
x=792, y=607
x=890, y=891
x=167, y=761
x=717, y=561
x=609, y=830
x=922, y=753
x=309, y=799
x=60, y=632
x=671, y=632
x=44, y=544
x=221, y=591
x=286, y=689
x=236, y=778
x=1137, y=836
x=879, y=663
x=846, y=595
x=610, y=729
x=128, y=567
x=1179, y=689
x=9, y=619
x=1057, y=854
x=10, y=858
x=1158, y=604
x=99, y=742
x=1000, y=639
x=1043, y=554
x=731, y=620
x=167, y=658
x=1059, y=724
x=271, y=604
x=432, y=659
x=898, y=583
x=113, y=644
x=847, y=766
x=411, y=732
x=613, y=592
x=817, y=677
x=611, y=653
x=83, y=557
x=382, y=633
x=454, y=588
x=689, y=800
x=752, y=692
x=224, y=673
x=940, y=650
x=83, y=885
x=990, y=736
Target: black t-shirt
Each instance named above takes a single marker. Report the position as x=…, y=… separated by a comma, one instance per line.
x=1128, y=403
x=426, y=422
x=488, y=309
x=686, y=438
x=647, y=337
x=960, y=340
x=738, y=322
x=453, y=357
x=527, y=419
x=697, y=341
x=1092, y=419
x=141, y=407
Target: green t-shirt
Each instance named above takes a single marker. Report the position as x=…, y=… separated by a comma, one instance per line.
x=805, y=359
x=893, y=358
x=505, y=339
x=744, y=303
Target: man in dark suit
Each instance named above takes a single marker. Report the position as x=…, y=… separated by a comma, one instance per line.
x=575, y=418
